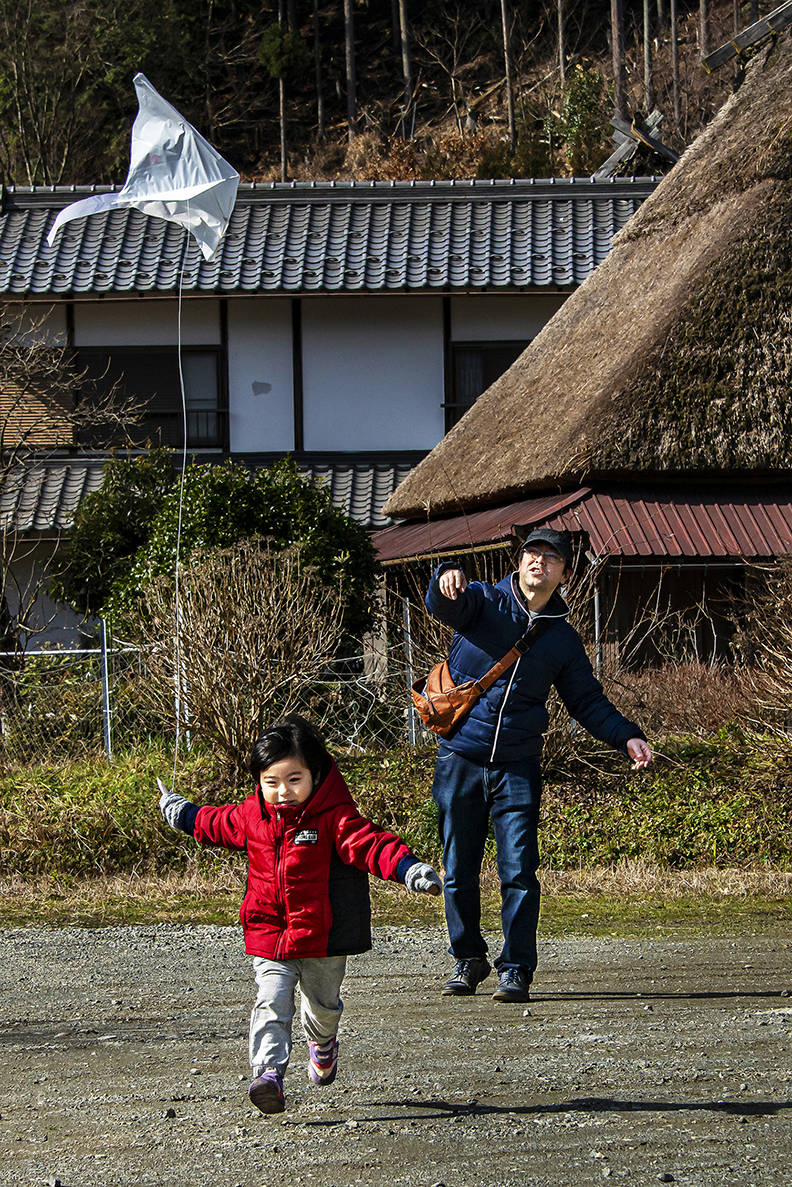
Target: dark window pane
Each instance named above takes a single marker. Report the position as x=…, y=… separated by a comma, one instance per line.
x=149, y=377
x=476, y=366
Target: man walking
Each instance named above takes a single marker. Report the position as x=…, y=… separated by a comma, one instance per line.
x=489, y=768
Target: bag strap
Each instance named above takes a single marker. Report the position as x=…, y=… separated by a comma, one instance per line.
x=520, y=648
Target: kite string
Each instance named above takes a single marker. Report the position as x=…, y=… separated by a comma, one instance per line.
x=177, y=594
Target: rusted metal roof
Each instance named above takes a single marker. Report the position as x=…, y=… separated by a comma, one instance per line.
x=688, y=523
x=461, y=533
x=308, y=237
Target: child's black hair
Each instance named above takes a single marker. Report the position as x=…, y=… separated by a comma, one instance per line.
x=293, y=737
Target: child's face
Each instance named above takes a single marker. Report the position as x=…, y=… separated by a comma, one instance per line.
x=286, y=783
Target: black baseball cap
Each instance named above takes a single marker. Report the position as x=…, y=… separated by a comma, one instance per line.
x=558, y=540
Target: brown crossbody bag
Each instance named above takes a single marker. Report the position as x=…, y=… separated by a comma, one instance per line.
x=441, y=704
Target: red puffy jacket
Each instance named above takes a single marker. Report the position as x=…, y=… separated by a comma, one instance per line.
x=307, y=891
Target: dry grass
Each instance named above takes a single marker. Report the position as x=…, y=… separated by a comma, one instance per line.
x=637, y=879
x=199, y=895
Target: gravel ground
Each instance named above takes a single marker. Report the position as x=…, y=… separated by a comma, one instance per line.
x=124, y=1062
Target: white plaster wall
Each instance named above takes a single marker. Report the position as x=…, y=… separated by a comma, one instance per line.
x=260, y=375
x=508, y=318
x=146, y=323
x=36, y=324
x=29, y=568
x=373, y=373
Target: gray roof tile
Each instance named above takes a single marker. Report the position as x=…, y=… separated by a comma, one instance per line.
x=44, y=496
x=334, y=237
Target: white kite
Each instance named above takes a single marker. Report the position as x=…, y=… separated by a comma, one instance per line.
x=173, y=174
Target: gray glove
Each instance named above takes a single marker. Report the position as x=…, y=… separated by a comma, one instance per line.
x=422, y=879
x=174, y=807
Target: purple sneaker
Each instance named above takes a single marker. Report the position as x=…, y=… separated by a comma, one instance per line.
x=323, y=1062
x=266, y=1093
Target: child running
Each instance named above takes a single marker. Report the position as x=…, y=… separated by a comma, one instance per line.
x=307, y=904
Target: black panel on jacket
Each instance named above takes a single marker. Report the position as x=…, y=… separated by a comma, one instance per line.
x=350, y=903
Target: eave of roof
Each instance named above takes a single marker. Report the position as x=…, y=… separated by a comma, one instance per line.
x=661, y=523
x=373, y=237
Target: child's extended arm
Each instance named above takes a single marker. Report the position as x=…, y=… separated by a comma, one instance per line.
x=176, y=810
x=208, y=825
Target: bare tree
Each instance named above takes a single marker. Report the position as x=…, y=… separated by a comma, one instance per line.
x=649, y=97
x=450, y=45
x=406, y=64
x=245, y=636
x=320, y=107
x=619, y=67
x=561, y=42
x=349, y=50
x=508, y=69
x=39, y=415
x=704, y=28
x=675, y=65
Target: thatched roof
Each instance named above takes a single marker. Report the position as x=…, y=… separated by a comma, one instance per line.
x=676, y=354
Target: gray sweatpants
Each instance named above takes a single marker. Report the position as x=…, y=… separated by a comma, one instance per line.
x=319, y=978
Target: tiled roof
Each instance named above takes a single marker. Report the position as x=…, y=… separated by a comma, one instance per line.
x=44, y=496
x=327, y=237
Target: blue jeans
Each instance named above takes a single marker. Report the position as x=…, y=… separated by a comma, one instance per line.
x=468, y=795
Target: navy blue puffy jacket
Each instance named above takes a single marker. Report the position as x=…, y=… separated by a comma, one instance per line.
x=507, y=723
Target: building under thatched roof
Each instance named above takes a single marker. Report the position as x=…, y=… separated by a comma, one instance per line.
x=652, y=416
x=674, y=359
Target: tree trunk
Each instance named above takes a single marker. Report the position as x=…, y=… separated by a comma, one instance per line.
x=704, y=28
x=675, y=66
x=561, y=43
x=649, y=97
x=507, y=64
x=619, y=71
x=320, y=108
x=282, y=99
x=406, y=67
x=349, y=45
x=291, y=15
x=662, y=16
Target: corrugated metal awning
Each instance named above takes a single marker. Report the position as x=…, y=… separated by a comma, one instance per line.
x=662, y=523
x=461, y=533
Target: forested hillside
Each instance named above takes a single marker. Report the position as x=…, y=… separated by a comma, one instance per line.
x=370, y=88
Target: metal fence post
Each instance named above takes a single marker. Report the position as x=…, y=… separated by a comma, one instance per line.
x=412, y=730
x=105, y=688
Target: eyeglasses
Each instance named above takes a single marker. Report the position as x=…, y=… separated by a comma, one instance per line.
x=552, y=558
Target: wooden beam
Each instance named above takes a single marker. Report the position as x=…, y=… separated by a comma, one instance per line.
x=774, y=22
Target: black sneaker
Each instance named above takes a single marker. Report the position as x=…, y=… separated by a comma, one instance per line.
x=467, y=976
x=513, y=986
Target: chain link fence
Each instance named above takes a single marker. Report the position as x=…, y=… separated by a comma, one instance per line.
x=69, y=704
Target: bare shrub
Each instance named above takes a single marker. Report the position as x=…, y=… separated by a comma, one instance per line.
x=243, y=639
x=686, y=698
x=764, y=643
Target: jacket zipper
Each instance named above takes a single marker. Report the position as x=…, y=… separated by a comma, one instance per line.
x=280, y=883
x=512, y=677
x=503, y=708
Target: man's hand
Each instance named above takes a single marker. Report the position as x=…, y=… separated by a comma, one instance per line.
x=452, y=583
x=640, y=752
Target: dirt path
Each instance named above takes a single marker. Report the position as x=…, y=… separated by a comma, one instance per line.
x=124, y=1062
